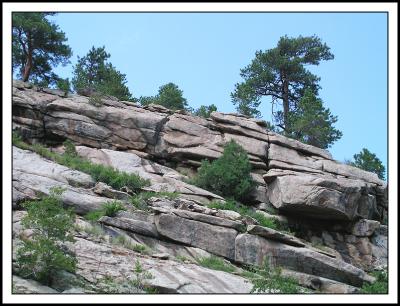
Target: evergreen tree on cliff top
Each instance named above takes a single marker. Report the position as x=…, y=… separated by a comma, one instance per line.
x=281, y=74
x=94, y=72
x=37, y=46
x=368, y=161
x=169, y=96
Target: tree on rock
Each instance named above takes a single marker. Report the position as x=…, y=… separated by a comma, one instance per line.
x=169, y=96
x=368, y=161
x=281, y=74
x=312, y=123
x=94, y=72
x=37, y=46
x=229, y=175
x=205, y=111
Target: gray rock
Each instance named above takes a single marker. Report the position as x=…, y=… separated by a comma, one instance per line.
x=131, y=225
x=208, y=219
x=34, y=164
x=28, y=286
x=214, y=239
x=272, y=234
x=251, y=249
x=321, y=284
x=364, y=227
x=98, y=260
x=315, y=196
x=105, y=190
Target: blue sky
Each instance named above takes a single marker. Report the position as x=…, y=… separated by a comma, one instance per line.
x=203, y=54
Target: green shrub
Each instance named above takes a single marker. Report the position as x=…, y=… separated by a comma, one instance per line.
x=111, y=208
x=94, y=215
x=44, y=254
x=229, y=175
x=379, y=286
x=215, y=263
x=70, y=148
x=271, y=281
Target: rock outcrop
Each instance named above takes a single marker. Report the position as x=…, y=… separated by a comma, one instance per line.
x=334, y=211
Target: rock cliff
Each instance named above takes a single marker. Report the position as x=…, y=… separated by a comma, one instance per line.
x=335, y=212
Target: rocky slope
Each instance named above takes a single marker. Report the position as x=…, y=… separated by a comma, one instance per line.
x=335, y=212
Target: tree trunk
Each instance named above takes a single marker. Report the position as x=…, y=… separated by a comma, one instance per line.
x=28, y=64
x=28, y=68
x=286, y=104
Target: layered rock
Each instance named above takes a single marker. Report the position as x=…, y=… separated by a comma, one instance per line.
x=335, y=209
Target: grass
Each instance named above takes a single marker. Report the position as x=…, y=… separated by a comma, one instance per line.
x=126, y=243
x=245, y=211
x=109, y=209
x=267, y=280
x=100, y=173
x=380, y=286
x=215, y=263
x=139, y=201
x=93, y=230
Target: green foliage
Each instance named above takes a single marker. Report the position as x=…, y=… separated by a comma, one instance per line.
x=216, y=263
x=37, y=46
x=229, y=175
x=280, y=73
x=94, y=215
x=113, y=177
x=271, y=281
x=44, y=254
x=64, y=85
x=94, y=72
x=368, y=161
x=205, y=111
x=96, y=100
x=136, y=284
x=380, y=286
x=111, y=208
x=70, y=148
x=311, y=123
x=169, y=96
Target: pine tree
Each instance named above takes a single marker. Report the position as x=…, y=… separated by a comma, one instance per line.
x=281, y=74
x=37, y=46
x=368, y=161
x=312, y=123
x=94, y=72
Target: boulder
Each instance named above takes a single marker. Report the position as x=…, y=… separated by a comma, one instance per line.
x=29, y=286
x=131, y=225
x=314, y=196
x=251, y=249
x=364, y=227
x=214, y=239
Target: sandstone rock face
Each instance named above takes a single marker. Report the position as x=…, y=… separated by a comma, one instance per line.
x=98, y=260
x=335, y=210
